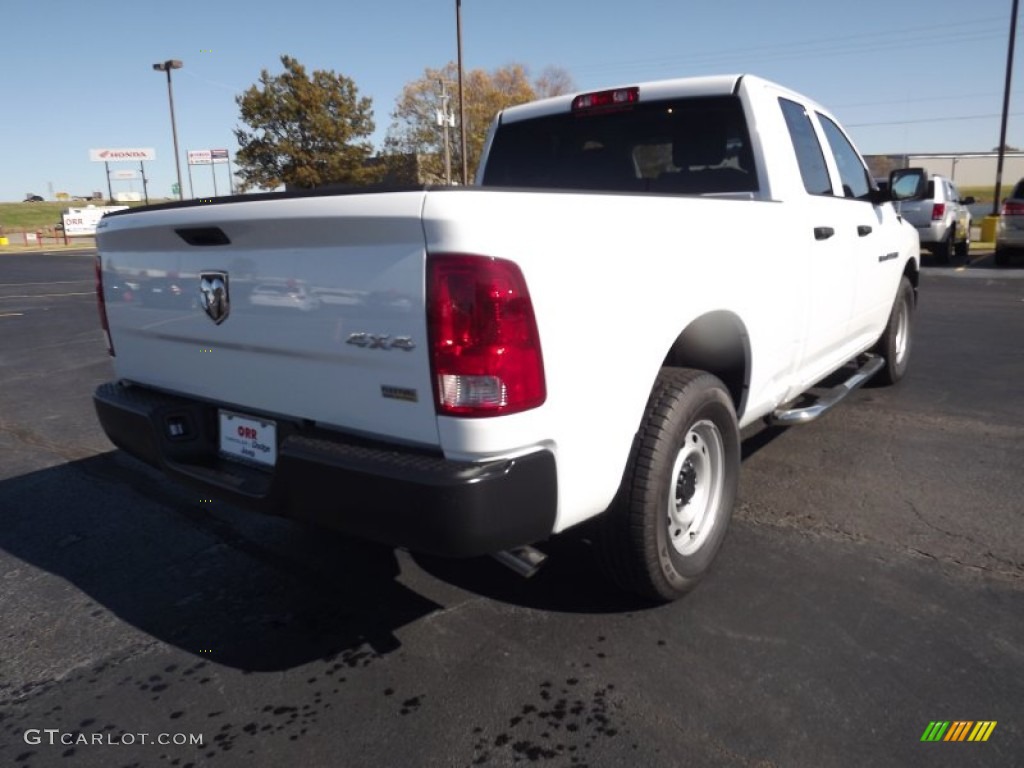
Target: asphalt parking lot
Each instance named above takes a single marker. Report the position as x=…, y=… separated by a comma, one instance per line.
x=872, y=583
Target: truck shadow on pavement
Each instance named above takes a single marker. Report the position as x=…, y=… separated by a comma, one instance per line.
x=571, y=579
x=246, y=591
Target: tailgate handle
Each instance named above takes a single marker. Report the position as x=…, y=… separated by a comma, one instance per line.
x=823, y=233
x=203, y=236
x=863, y=230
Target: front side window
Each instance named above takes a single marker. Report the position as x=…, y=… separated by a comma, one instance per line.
x=809, y=156
x=852, y=173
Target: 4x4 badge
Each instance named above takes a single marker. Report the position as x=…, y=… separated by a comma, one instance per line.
x=213, y=295
x=380, y=341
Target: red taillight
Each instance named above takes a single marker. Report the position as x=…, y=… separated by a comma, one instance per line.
x=1012, y=209
x=484, y=348
x=101, y=304
x=938, y=211
x=603, y=99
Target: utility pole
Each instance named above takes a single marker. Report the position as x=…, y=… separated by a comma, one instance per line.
x=1006, y=109
x=446, y=120
x=462, y=104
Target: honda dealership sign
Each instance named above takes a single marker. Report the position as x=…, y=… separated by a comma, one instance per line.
x=114, y=155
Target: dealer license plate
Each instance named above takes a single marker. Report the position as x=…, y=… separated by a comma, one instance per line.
x=248, y=439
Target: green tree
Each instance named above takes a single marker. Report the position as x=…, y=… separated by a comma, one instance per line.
x=305, y=130
x=414, y=129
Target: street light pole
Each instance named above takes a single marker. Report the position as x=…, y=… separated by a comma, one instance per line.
x=1006, y=109
x=462, y=105
x=167, y=66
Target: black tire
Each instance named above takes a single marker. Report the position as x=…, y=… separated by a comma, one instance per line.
x=652, y=541
x=895, y=342
x=1002, y=257
x=962, y=249
x=944, y=251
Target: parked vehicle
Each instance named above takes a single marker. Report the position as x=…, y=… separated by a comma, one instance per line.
x=1010, y=228
x=284, y=295
x=580, y=336
x=30, y=198
x=942, y=220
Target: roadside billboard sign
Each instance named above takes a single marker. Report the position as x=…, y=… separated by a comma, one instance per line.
x=199, y=157
x=108, y=155
x=83, y=221
x=219, y=155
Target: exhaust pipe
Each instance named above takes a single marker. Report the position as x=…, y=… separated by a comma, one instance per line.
x=525, y=561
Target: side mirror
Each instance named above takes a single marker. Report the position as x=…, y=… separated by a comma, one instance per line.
x=908, y=184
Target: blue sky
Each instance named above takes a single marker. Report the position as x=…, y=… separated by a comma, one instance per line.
x=909, y=76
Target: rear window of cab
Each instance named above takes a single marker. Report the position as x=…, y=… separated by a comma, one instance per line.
x=683, y=146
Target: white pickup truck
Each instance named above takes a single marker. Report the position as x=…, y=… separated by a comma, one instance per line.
x=637, y=274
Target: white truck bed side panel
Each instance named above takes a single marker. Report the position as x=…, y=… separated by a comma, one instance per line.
x=614, y=279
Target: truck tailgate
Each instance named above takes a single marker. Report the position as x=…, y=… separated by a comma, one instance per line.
x=324, y=318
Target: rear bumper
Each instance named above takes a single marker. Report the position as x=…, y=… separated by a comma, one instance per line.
x=1009, y=236
x=389, y=494
x=933, y=233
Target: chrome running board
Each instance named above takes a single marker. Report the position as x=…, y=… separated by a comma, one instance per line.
x=826, y=400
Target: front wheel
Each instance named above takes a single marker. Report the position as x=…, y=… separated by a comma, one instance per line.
x=894, y=343
x=673, y=508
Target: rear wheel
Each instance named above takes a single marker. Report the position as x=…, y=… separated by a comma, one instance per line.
x=895, y=342
x=672, y=511
x=1002, y=257
x=963, y=248
x=944, y=251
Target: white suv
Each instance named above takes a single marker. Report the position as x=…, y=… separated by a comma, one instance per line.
x=941, y=219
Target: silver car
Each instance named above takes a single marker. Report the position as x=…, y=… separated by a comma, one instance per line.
x=1010, y=229
x=942, y=220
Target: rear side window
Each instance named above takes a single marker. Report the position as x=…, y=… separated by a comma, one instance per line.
x=852, y=173
x=1018, y=191
x=809, y=156
x=684, y=146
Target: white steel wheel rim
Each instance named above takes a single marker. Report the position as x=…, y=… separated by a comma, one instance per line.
x=695, y=495
x=902, y=328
